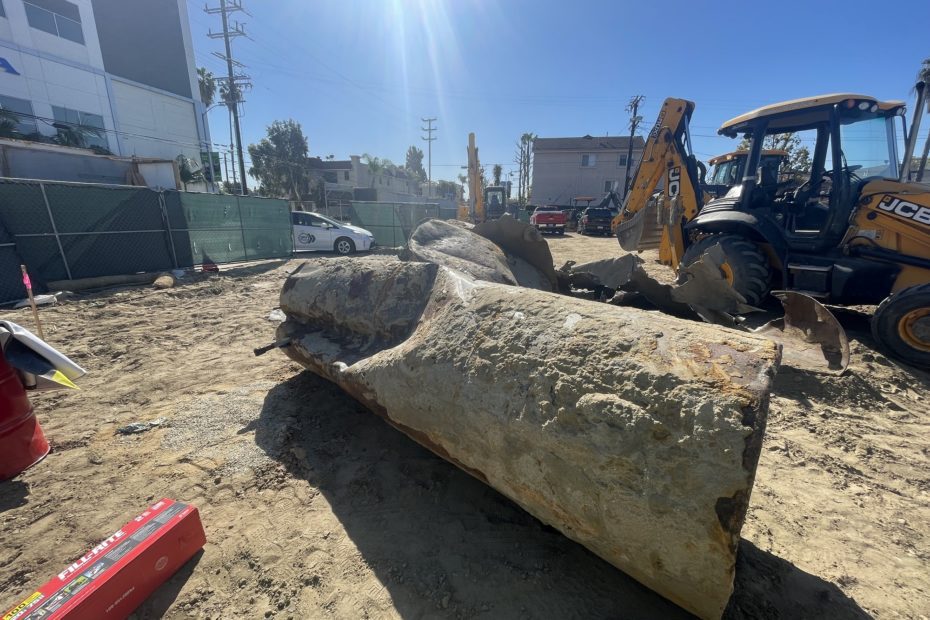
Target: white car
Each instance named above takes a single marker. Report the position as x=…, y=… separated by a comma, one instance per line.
x=316, y=233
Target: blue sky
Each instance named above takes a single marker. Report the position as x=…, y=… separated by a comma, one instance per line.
x=359, y=74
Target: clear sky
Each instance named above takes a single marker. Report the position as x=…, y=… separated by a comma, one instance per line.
x=359, y=74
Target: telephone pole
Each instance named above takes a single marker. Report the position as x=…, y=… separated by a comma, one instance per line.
x=633, y=108
x=234, y=82
x=429, y=129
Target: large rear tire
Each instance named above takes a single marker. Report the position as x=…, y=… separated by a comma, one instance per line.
x=901, y=325
x=745, y=266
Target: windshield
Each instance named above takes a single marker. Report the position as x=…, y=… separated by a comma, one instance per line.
x=727, y=173
x=327, y=220
x=869, y=147
x=496, y=198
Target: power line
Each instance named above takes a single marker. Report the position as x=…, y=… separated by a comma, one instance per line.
x=635, y=119
x=429, y=129
x=234, y=82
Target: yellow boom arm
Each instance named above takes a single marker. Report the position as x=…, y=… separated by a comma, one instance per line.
x=665, y=157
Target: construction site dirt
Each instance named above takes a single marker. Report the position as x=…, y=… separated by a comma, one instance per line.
x=314, y=507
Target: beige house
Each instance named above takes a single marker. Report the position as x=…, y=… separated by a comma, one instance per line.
x=568, y=168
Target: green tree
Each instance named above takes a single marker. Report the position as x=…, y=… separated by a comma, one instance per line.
x=497, y=171
x=447, y=188
x=924, y=76
x=207, y=83
x=414, y=163
x=279, y=161
x=799, y=157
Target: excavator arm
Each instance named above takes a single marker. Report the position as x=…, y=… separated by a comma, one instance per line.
x=667, y=158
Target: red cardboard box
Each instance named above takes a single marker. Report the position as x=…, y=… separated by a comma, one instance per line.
x=113, y=578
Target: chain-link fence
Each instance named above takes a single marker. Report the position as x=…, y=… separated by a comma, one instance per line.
x=391, y=223
x=65, y=231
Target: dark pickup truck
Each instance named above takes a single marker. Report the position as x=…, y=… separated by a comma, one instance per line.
x=548, y=219
x=595, y=220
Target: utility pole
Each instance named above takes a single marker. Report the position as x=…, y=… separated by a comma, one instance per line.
x=429, y=129
x=234, y=82
x=633, y=108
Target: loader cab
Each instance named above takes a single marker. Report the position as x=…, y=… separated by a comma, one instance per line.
x=848, y=139
x=727, y=169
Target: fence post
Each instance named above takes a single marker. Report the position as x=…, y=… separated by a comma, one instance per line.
x=164, y=218
x=51, y=219
x=245, y=248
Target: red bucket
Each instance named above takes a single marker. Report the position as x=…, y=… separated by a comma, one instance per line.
x=22, y=443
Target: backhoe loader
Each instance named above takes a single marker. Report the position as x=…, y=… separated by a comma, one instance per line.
x=727, y=169
x=855, y=231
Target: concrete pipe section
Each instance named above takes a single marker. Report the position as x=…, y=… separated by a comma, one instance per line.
x=635, y=433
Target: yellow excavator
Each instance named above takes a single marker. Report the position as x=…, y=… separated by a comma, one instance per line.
x=855, y=231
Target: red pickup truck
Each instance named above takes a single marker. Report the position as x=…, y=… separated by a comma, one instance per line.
x=548, y=219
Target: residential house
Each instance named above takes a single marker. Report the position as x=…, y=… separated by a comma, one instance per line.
x=565, y=169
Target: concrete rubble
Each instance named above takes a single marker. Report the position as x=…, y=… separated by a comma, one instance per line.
x=634, y=433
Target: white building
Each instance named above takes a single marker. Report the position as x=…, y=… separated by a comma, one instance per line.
x=124, y=67
x=568, y=168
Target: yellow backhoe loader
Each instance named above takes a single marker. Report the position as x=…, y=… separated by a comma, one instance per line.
x=855, y=231
x=727, y=169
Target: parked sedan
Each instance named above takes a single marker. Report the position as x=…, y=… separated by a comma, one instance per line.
x=316, y=233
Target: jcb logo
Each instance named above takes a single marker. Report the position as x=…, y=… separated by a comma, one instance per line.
x=674, y=182
x=905, y=209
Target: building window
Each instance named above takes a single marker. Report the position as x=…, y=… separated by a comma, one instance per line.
x=58, y=17
x=17, y=118
x=345, y=175
x=622, y=161
x=588, y=160
x=79, y=129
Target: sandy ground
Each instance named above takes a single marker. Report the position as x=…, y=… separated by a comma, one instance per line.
x=315, y=508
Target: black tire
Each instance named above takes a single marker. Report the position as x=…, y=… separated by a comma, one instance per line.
x=750, y=269
x=898, y=332
x=344, y=246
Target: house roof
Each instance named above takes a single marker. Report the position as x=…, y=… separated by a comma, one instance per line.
x=329, y=164
x=587, y=143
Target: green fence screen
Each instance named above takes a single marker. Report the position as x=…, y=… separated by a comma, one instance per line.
x=391, y=223
x=64, y=231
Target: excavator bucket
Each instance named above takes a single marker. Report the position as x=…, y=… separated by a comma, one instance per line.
x=811, y=336
x=630, y=231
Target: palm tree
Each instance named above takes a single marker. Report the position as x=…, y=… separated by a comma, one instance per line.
x=76, y=135
x=207, y=83
x=9, y=123
x=463, y=180
x=924, y=76
x=376, y=166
